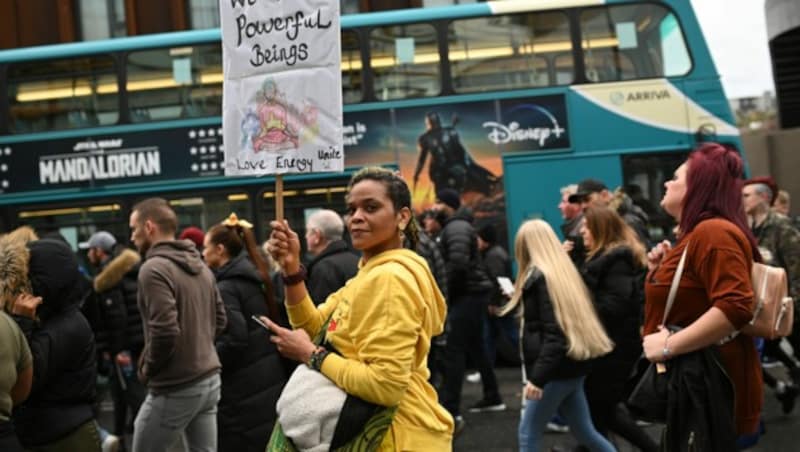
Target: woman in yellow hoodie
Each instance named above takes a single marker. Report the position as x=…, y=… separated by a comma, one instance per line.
x=381, y=322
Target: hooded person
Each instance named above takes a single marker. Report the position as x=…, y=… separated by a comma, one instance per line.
x=57, y=416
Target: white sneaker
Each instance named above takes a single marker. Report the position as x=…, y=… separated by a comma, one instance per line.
x=474, y=377
x=557, y=428
x=110, y=443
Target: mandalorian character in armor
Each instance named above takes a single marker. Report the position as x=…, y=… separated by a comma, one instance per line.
x=451, y=165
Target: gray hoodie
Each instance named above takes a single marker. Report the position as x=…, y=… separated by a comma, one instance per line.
x=182, y=313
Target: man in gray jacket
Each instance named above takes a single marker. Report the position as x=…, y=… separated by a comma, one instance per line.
x=182, y=313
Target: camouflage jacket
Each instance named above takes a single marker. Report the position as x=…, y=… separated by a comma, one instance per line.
x=779, y=244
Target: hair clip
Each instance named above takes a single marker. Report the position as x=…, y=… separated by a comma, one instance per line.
x=234, y=221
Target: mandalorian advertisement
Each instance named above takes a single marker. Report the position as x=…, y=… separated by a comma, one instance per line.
x=458, y=146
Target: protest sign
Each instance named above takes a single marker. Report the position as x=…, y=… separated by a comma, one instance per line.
x=282, y=96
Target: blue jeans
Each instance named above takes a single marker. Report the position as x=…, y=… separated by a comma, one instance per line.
x=190, y=412
x=565, y=397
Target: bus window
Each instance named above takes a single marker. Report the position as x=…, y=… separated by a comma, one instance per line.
x=173, y=83
x=81, y=220
x=507, y=52
x=207, y=210
x=405, y=61
x=63, y=94
x=564, y=66
x=628, y=42
x=644, y=176
x=351, y=68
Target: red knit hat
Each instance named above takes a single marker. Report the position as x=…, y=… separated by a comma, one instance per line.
x=194, y=234
x=769, y=182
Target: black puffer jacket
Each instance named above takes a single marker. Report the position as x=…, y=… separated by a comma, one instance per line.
x=328, y=271
x=115, y=290
x=63, y=349
x=253, y=373
x=465, y=272
x=429, y=250
x=616, y=283
x=544, y=346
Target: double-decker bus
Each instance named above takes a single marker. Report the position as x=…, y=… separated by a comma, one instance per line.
x=505, y=101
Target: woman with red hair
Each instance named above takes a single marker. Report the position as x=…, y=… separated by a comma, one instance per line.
x=715, y=295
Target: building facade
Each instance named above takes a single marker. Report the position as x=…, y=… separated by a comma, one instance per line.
x=783, y=31
x=25, y=23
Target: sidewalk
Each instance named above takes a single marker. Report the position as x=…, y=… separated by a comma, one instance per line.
x=497, y=431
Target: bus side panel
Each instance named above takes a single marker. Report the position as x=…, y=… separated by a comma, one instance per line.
x=638, y=114
x=533, y=185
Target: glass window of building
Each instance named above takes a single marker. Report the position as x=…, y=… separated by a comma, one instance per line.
x=172, y=83
x=102, y=19
x=632, y=41
x=351, y=68
x=348, y=6
x=62, y=94
x=511, y=51
x=405, y=61
x=204, y=13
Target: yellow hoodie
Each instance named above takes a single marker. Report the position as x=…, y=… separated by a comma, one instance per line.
x=382, y=323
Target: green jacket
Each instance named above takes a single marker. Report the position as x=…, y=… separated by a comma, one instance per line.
x=779, y=244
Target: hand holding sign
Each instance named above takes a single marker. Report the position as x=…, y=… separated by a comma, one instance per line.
x=284, y=246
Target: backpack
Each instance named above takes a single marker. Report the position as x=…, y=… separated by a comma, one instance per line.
x=773, y=316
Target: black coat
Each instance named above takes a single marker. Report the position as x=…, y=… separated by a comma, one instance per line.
x=429, y=250
x=616, y=283
x=62, y=345
x=113, y=311
x=544, y=346
x=700, y=404
x=253, y=373
x=466, y=274
x=497, y=264
x=329, y=270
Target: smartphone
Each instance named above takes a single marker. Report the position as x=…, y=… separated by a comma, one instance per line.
x=258, y=321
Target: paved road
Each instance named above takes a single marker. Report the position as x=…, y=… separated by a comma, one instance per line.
x=497, y=432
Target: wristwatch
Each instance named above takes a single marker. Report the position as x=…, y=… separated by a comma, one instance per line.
x=294, y=278
x=317, y=357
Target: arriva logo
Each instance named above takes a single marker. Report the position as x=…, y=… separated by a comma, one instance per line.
x=514, y=132
x=619, y=97
x=637, y=96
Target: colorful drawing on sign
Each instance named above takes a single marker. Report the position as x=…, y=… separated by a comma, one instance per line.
x=275, y=125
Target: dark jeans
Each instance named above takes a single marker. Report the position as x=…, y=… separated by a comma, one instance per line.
x=605, y=389
x=465, y=337
x=127, y=393
x=505, y=328
x=8, y=439
x=772, y=349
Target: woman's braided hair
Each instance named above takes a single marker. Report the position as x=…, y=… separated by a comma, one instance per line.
x=398, y=192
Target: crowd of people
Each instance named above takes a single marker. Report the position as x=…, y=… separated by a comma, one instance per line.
x=204, y=338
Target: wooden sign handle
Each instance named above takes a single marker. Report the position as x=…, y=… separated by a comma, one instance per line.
x=279, y=197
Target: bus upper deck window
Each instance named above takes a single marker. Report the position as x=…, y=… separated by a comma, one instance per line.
x=404, y=60
x=510, y=51
x=63, y=94
x=173, y=83
x=625, y=42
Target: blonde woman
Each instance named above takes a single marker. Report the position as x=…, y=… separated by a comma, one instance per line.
x=560, y=333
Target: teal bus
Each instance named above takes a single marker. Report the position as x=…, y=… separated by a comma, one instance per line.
x=506, y=101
